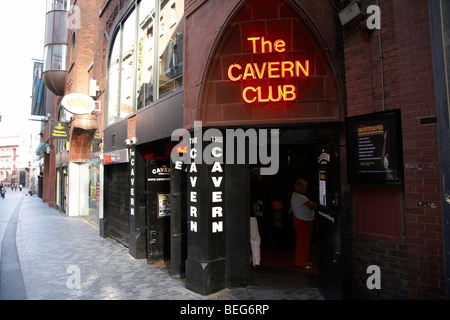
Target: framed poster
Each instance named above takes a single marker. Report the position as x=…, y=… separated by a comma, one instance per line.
x=163, y=205
x=374, y=148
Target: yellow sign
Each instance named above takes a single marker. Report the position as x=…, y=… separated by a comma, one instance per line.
x=59, y=130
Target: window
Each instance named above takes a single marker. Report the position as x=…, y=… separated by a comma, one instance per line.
x=58, y=5
x=146, y=53
x=113, y=81
x=128, y=65
x=72, y=46
x=142, y=70
x=55, y=57
x=170, y=47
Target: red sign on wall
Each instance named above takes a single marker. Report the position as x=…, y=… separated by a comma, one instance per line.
x=268, y=70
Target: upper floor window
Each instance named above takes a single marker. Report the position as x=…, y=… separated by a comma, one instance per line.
x=58, y=5
x=145, y=62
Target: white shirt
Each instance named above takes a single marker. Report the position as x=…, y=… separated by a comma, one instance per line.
x=298, y=207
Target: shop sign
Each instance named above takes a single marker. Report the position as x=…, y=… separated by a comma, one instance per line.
x=118, y=156
x=59, y=130
x=268, y=70
x=159, y=172
x=78, y=103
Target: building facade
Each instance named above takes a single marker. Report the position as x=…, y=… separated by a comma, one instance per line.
x=71, y=171
x=194, y=96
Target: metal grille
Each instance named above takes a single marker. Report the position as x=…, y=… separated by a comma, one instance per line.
x=117, y=202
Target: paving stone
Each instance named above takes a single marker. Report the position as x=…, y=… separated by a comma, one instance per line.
x=53, y=249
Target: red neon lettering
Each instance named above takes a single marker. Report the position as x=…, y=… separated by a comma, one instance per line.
x=259, y=72
x=269, y=70
x=244, y=95
x=285, y=93
x=264, y=43
x=278, y=45
x=289, y=93
x=230, y=72
x=253, y=40
x=276, y=69
x=249, y=72
x=287, y=66
x=299, y=66
x=273, y=67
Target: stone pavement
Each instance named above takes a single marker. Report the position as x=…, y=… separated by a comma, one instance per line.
x=46, y=255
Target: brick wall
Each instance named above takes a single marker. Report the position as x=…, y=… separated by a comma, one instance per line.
x=81, y=52
x=209, y=96
x=423, y=218
x=414, y=266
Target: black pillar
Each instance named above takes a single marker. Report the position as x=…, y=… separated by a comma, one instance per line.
x=206, y=261
x=237, y=225
x=178, y=219
x=138, y=238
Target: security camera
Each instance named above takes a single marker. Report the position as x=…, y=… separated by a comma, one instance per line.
x=127, y=142
x=133, y=140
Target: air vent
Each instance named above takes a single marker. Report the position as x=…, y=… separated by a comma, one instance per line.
x=428, y=120
x=113, y=141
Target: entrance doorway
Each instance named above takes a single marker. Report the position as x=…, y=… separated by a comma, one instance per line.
x=276, y=223
x=158, y=210
x=317, y=162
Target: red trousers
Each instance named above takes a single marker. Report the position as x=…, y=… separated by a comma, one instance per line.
x=303, y=231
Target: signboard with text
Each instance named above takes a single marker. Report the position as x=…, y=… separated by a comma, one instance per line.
x=78, y=103
x=374, y=148
x=59, y=130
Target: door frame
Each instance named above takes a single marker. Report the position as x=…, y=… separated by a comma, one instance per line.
x=329, y=226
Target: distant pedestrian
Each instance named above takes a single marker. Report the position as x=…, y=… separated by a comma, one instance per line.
x=3, y=191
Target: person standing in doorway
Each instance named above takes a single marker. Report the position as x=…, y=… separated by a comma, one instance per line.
x=303, y=210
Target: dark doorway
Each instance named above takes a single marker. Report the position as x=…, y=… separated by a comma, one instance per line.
x=276, y=223
x=301, y=159
x=158, y=210
x=117, y=202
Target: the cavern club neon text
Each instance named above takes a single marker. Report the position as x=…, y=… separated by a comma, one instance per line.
x=268, y=70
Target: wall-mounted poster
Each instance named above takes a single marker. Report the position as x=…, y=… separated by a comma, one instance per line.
x=374, y=148
x=163, y=205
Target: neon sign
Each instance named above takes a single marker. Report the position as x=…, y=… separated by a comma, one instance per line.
x=268, y=70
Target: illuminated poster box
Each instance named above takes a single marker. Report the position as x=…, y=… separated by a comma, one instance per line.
x=374, y=148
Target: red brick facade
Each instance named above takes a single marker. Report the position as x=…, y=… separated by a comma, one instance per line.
x=402, y=79
x=391, y=72
x=357, y=71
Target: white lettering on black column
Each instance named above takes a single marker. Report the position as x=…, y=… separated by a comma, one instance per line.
x=217, y=196
x=193, y=198
x=132, y=180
